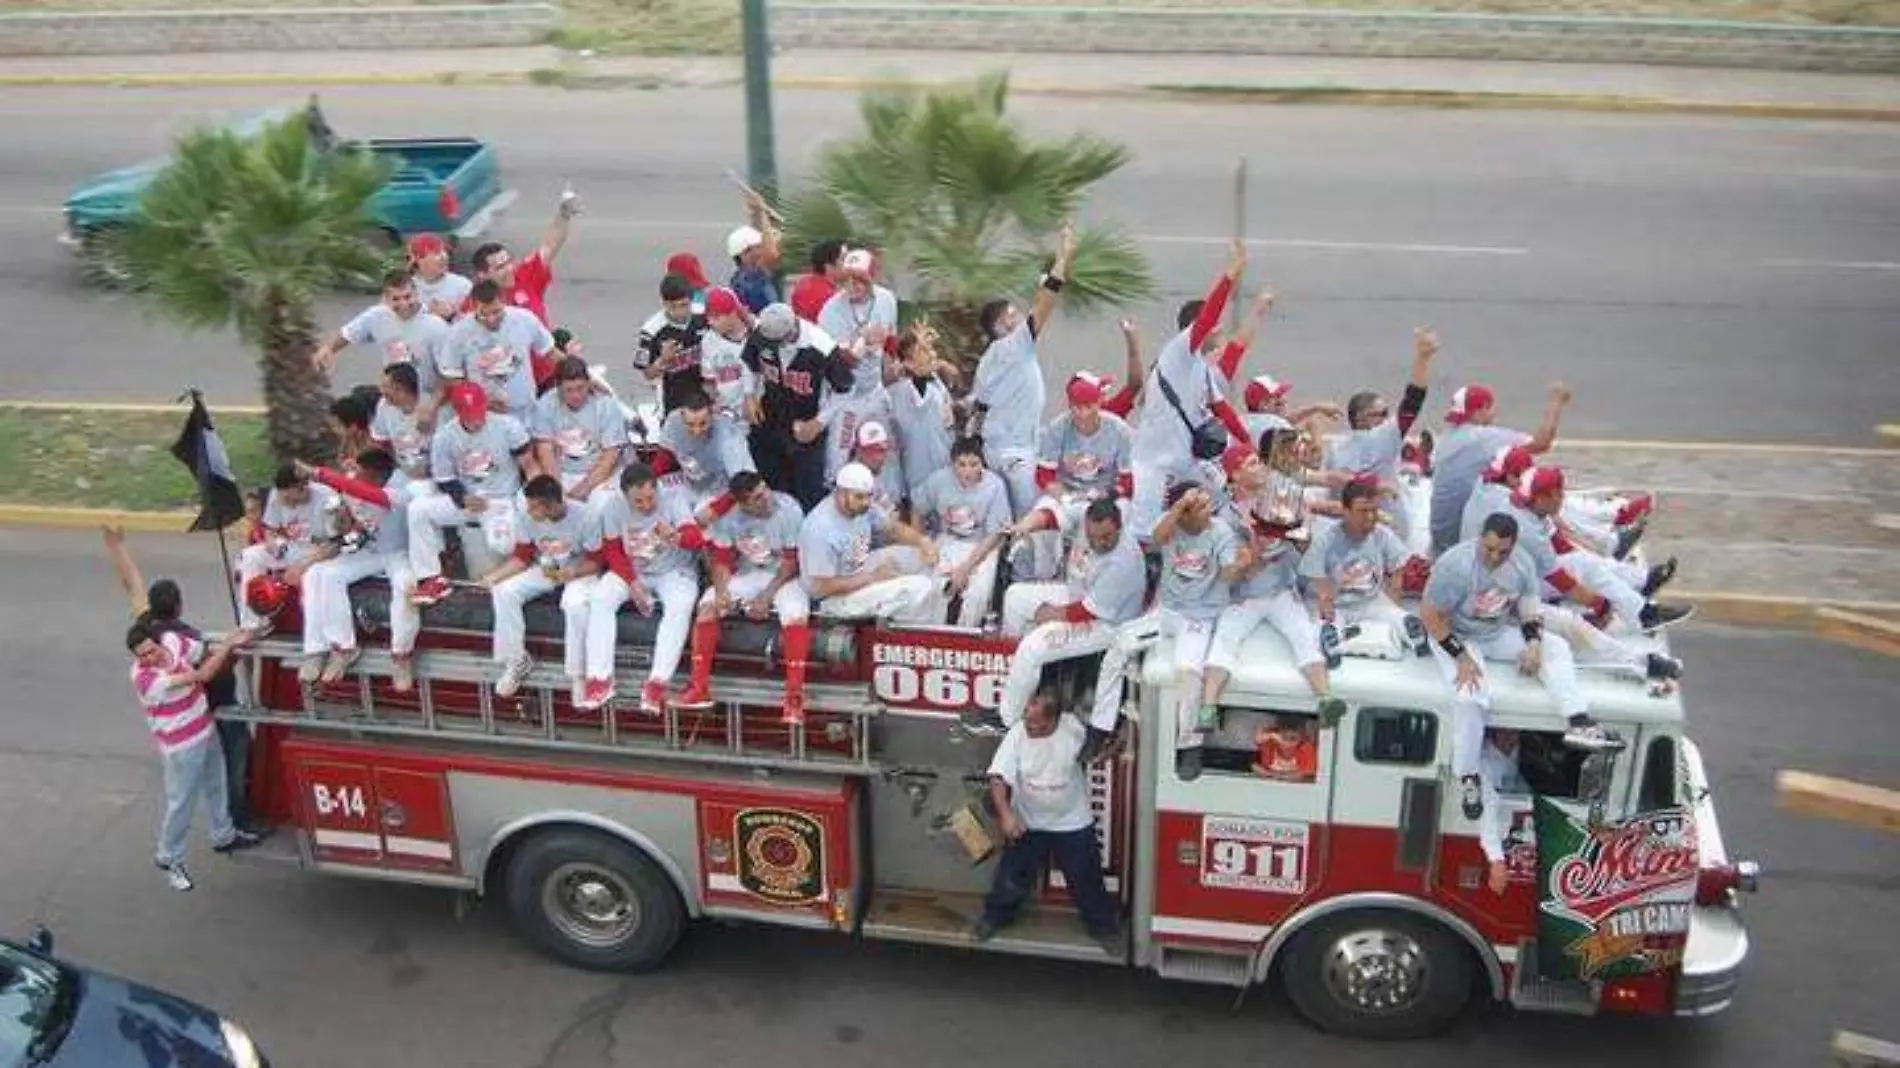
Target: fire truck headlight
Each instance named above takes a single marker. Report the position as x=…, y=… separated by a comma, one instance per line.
x=238, y=1044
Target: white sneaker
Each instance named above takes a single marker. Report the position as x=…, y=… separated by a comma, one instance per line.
x=402, y=673
x=339, y=664
x=512, y=675
x=312, y=668
x=176, y=876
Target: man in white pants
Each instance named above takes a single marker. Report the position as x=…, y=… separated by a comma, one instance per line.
x=1082, y=458
x=551, y=553
x=1579, y=576
x=478, y=460
x=754, y=568
x=966, y=508
x=1008, y=390
x=1107, y=582
x=579, y=435
x=376, y=543
x=840, y=571
x=295, y=526
x=1354, y=567
x=648, y=540
x=1477, y=590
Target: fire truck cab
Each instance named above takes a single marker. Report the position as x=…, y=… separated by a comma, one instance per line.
x=1360, y=888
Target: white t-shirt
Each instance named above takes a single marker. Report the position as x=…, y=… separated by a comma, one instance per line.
x=1009, y=384
x=1161, y=438
x=501, y=361
x=399, y=432
x=416, y=341
x=1048, y=787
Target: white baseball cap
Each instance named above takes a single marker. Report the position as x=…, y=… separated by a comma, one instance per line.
x=872, y=435
x=859, y=261
x=856, y=478
x=743, y=238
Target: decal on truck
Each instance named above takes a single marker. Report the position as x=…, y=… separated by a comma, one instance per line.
x=1613, y=900
x=781, y=854
x=939, y=672
x=1264, y=856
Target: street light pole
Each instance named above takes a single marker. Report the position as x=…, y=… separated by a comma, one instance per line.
x=761, y=159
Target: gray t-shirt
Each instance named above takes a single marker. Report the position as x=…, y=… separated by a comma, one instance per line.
x=1479, y=601
x=1277, y=560
x=451, y=289
x=1357, y=567
x=650, y=553
x=416, y=341
x=1161, y=438
x=557, y=542
x=845, y=322
x=1009, y=383
x=1112, y=584
x=579, y=435
x=1458, y=460
x=1534, y=539
x=759, y=543
x=483, y=460
x=1487, y=498
x=945, y=507
x=399, y=432
x=385, y=528
x=500, y=361
x=707, y=461
x=1191, y=583
x=921, y=424
x=1258, y=423
x=1086, y=463
x=830, y=545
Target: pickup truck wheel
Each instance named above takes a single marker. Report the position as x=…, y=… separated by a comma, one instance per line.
x=593, y=901
x=1377, y=974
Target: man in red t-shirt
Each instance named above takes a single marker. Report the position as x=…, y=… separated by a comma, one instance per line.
x=524, y=283
x=811, y=291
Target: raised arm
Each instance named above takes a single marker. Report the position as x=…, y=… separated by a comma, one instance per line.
x=555, y=239
x=1236, y=347
x=1216, y=302
x=1546, y=435
x=1045, y=304
x=1424, y=348
x=131, y=580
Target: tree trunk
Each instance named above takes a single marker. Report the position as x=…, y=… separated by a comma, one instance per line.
x=296, y=393
x=960, y=339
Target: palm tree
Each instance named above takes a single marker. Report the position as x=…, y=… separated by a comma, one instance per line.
x=245, y=232
x=963, y=204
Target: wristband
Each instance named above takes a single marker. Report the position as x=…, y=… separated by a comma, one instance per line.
x=1533, y=630
x=1053, y=284
x=1452, y=646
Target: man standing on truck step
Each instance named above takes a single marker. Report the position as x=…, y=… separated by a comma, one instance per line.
x=497, y=346
x=580, y=435
x=440, y=290
x=754, y=569
x=966, y=508
x=667, y=352
x=1040, y=792
x=1477, y=591
x=170, y=669
x=292, y=530
x=399, y=325
x=793, y=360
x=1081, y=616
x=478, y=461
x=648, y=538
x=842, y=573
x=1007, y=393
x=376, y=542
x=551, y=553
x=699, y=451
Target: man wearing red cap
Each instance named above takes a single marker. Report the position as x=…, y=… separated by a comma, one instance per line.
x=812, y=290
x=668, y=350
x=441, y=291
x=728, y=381
x=687, y=266
x=525, y=284
x=399, y=326
x=1536, y=499
x=862, y=318
x=478, y=461
x=1265, y=398
x=1459, y=457
x=872, y=448
x=1493, y=491
x=966, y=508
x=1082, y=457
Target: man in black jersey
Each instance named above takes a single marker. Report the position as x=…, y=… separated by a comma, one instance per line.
x=794, y=360
x=668, y=352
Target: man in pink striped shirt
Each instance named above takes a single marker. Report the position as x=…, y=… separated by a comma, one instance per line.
x=169, y=672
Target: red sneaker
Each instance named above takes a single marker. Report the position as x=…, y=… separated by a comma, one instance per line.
x=1637, y=507
x=794, y=710
x=431, y=590
x=653, y=697
x=697, y=695
x=596, y=693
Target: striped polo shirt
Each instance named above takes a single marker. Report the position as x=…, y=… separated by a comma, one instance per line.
x=175, y=706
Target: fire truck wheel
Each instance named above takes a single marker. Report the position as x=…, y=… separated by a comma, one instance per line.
x=1377, y=974
x=594, y=901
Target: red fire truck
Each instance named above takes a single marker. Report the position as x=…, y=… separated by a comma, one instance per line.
x=1361, y=889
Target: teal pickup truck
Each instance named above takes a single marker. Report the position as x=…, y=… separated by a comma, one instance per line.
x=450, y=186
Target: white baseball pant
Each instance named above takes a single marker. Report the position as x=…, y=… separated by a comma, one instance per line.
x=1558, y=673
x=1626, y=601
x=675, y=593
x=1193, y=642
x=906, y=599
x=791, y=603
x=328, y=622
x=1016, y=466
x=982, y=585
x=1022, y=599
x=1283, y=611
x=511, y=629
x=428, y=515
x=255, y=560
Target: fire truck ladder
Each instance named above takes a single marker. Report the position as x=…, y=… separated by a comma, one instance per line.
x=540, y=715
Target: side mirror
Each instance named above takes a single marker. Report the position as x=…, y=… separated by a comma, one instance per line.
x=41, y=941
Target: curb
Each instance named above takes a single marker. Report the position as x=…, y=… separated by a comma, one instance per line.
x=59, y=517
x=1766, y=610
x=1872, y=633
x=1288, y=94
x=128, y=408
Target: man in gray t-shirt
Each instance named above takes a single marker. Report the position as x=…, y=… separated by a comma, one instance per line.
x=966, y=508
x=704, y=448
x=1008, y=390
x=580, y=435
x=495, y=346
x=478, y=461
x=399, y=326
x=1470, y=442
x=840, y=570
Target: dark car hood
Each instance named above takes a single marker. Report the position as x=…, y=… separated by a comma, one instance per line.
x=122, y=1024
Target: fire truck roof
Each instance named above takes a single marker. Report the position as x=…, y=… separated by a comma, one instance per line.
x=1267, y=673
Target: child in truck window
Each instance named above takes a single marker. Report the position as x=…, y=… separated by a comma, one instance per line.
x=1287, y=749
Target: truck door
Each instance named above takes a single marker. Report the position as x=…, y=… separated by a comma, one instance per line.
x=1241, y=844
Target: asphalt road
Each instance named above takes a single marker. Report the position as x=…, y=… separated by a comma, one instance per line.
x=330, y=971
x=1705, y=278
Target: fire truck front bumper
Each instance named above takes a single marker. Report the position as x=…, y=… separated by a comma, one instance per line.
x=1712, y=961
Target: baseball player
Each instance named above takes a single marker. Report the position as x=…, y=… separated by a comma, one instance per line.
x=1375, y=436
x=376, y=542
x=478, y=460
x=754, y=569
x=496, y=346
x=840, y=571
x=793, y=360
x=1537, y=497
x=873, y=451
x=1355, y=568
x=733, y=388
x=669, y=348
x=292, y=531
x=1083, y=457
x=862, y=318
x=966, y=508
x=403, y=423
x=1469, y=442
x=700, y=450
x=580, y=435
x=923, y=417
x=648, y=541
x=1008, y=391
x=440, y=290
x=405, y=331
x=551, y=553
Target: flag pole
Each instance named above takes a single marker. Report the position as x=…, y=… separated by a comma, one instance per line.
x=204, y=491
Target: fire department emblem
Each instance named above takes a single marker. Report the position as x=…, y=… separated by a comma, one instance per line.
x=781, y=854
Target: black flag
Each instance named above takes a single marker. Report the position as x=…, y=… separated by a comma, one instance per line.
x=199, y=448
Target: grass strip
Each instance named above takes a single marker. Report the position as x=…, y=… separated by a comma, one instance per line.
x=81, y=458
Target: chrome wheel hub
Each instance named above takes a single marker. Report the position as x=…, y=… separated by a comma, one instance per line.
x=590, y=904
x=1376, y=970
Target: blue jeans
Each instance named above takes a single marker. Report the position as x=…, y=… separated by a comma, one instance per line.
x=1081, y=867
x=190, y=773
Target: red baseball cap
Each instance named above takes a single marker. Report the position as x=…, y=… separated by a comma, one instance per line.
x=873, y=436
x=1086, y=388
x=1264, y=389
x=1509, y=463
x=687, y=266
x=859, y=262
x=722, y=301
x=424, y=245
x=1236, y=456
x=1468, y=402
x=1538, y=481
x=469, y=400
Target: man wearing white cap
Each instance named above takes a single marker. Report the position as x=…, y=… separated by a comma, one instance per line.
x=966, y=508
x=755, y=253
x=862, y=318
x=1470, y=442
x=840, y=570
x=1008, y=391
x=1082, y=457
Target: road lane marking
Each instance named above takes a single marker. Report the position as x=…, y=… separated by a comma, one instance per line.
x=1835, y=265
x=1340, y=246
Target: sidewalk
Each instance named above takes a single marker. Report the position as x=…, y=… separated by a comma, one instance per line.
x=1287, y=78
